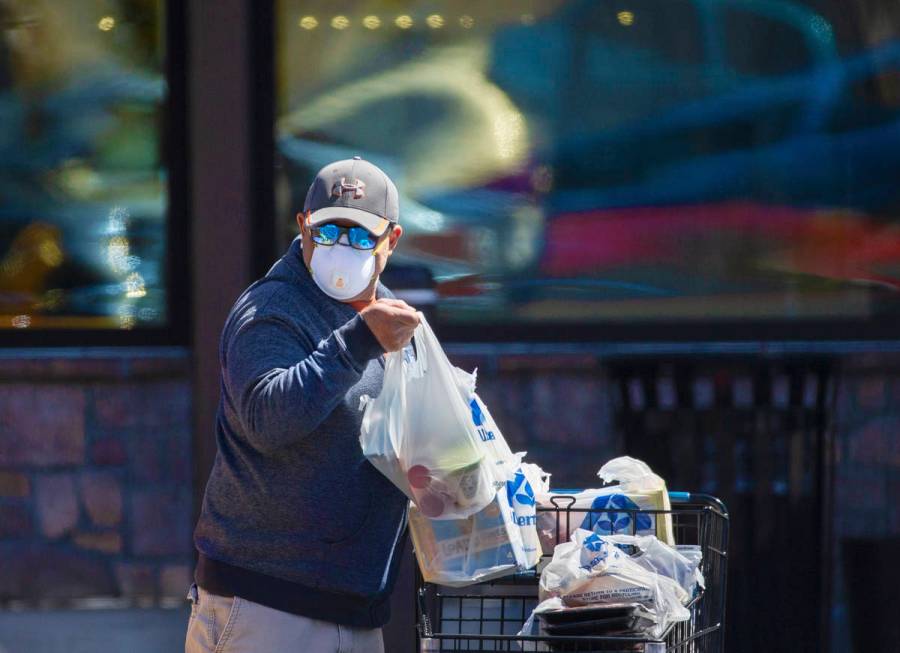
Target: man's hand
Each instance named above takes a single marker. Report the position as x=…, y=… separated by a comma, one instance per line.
x=393, y=322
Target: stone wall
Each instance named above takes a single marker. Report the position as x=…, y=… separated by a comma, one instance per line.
x=95, y=476
x=96, y=472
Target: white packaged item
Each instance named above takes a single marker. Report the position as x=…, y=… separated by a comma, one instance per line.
x=602, y=509
x=460, y=552
x=419, y=433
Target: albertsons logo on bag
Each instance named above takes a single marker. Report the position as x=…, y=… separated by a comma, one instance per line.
x=521, y=499
x=478, y=418
x=610, y=523
x=596, y=551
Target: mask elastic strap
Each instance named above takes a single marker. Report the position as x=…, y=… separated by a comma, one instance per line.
x=307, y=266
x=378, y=247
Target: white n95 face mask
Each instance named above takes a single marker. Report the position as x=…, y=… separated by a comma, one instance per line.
x=340, y=271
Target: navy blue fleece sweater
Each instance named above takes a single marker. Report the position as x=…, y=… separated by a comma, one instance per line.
x=294, y=517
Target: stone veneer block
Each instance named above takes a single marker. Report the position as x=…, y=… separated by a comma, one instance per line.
x=175, y=580
x=161, y=522
x=34, y=571
x=42, y=425
x=57, y=504
x=15, y=520
x=101, y=496
x=156, y=404
x=108, y=451
x=107, y=542
x=135, y=579
x=14, y=484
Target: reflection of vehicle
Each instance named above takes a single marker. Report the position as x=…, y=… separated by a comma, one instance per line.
x=715, y=103
x=594, y=66
x=823, y=137
x=835, y=151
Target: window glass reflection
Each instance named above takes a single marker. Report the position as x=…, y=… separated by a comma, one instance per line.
x=82, y=185
x=601, y=161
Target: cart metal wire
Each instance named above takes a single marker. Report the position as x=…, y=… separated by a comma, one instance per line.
x=487, y=616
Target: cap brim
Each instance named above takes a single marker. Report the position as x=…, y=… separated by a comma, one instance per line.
x=374, y=223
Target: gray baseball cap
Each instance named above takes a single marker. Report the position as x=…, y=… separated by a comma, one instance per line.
x=356, y=190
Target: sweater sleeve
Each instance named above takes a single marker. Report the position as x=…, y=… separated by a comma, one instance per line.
x=283, y=389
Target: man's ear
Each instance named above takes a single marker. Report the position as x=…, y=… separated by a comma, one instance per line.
x=394, y=237
x=301, y=222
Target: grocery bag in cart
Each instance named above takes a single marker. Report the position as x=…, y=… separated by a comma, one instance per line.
x=627, y=593
x=592, y=570
x=419, y=433
x=612, y=509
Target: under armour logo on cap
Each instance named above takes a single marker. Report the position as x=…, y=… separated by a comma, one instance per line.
x=357, y=187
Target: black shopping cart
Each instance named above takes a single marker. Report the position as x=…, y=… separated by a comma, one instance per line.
x=487, y=616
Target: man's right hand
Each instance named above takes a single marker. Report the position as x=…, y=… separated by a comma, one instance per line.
x=393, y=322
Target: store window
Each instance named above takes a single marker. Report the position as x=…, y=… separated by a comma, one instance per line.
x=83, y=183
x=601, y=163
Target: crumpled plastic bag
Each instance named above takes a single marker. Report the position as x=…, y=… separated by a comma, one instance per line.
x=681, y=565
x=521, y=495
x=592, y=569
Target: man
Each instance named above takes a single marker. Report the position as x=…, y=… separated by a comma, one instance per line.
x=299, y=535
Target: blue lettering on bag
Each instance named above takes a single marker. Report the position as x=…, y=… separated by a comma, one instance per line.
x=477, y=415
x=519, y=488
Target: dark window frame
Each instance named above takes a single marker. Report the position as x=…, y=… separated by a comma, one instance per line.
x=176, y=153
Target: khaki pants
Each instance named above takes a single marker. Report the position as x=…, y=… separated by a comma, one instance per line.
x=220, y=624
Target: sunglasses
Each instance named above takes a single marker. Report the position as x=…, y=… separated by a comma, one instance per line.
x=329, y=234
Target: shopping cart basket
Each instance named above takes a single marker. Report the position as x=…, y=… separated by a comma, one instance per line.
x=487, y=616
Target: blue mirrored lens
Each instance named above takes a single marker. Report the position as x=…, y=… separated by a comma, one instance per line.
x=361, y=238
x=326, y=234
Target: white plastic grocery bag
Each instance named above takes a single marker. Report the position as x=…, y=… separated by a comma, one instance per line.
x=523, y=481
x=606, y=510
x=491, y=440
x=419, y=432
x=591, y=569
x=521, y=495
x=680, y=564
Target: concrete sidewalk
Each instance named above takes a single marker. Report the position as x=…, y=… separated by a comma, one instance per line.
x=152, y=630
